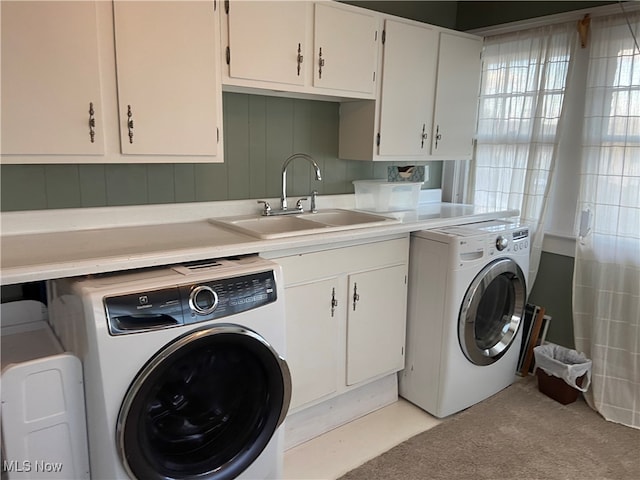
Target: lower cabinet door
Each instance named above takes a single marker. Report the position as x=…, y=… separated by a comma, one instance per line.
x=376, y=313
x=312, y=339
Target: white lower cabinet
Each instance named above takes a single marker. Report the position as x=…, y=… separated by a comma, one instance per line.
x=346, y=313
x=376, y=322
x=313, y=361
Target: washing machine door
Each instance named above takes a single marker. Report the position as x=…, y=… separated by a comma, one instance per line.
x=491, y=311
x=205, y=406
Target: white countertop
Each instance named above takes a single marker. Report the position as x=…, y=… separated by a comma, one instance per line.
x=64, y=243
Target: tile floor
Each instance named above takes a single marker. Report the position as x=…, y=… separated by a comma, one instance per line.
x=333, y=454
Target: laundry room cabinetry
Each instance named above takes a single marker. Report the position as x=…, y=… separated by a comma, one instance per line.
x=111, y=82
x=346, y=311
x=456, y=100
x=313, y=344
x=315, y=48
x=426, y=107
x=375, y=324
x=267, y=41
x=169, y=95
x=51, y=91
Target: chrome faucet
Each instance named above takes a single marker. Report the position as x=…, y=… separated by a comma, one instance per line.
x=283, y=198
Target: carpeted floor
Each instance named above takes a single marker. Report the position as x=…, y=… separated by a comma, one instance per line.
x=518, y=433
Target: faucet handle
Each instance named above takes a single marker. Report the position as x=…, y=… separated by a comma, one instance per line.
x=299, y=204
x=267, y=208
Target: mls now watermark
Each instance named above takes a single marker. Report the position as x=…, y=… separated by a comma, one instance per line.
x=28, y=466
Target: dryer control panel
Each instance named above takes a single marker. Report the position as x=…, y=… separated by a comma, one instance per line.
x=190, y=303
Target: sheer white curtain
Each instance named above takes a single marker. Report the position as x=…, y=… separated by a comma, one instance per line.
x=523, y=81
x=606, y=290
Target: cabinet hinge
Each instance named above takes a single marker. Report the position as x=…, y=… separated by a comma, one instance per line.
x=378, y=140
x=228, y=54
x=226, y=7
x=384, y=36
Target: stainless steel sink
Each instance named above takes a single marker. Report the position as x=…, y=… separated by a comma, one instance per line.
x=279, y=226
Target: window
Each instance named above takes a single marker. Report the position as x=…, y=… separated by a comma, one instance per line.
x=523, y=82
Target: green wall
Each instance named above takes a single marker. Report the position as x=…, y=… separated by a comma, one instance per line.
x=552, y=290
x=477, y=14
x=467, y=15
x=441, y=13
x=259, y=133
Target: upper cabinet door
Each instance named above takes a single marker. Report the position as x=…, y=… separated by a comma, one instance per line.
x=268, y=41
x=169, y=92
x=408, y=83
x=456, y=96
x=346, y=48
x=50, y=79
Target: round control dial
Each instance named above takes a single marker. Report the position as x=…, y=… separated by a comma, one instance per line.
x=502, y=243
x=203, y=300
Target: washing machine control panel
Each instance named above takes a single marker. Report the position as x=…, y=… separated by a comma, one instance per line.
x=228, y=296
x=191, y=303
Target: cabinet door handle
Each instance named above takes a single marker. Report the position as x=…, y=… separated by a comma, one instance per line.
x=356, y=296
x=300, y=58
x=423, y=136
x=438, y=135
x=334, y=301
x=320, y=63
x=130, y=123
x=92, y=123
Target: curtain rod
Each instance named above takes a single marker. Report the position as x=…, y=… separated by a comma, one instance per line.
x=629, y=7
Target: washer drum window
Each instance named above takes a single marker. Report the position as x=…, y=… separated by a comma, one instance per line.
x=491, y=311
x=204, y=406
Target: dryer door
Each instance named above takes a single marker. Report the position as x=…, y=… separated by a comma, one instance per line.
x=491, y=311
x=204, y=406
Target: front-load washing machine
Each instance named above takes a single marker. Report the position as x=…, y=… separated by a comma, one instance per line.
x=183, y=369
x=467, y=293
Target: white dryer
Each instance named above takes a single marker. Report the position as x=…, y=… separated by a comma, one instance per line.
x=467, y=292
x=182, y=368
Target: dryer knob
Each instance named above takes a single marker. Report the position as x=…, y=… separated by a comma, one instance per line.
x=501, y=243
x=203, y=300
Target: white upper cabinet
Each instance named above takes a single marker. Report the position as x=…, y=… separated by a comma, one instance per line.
x=409, y=72
x=69, y=96
x=269, y=41
x=50, y=79
x=456, y=96
x=427, y=102
x=168, y=78
x=346, y=48
x=305, y=48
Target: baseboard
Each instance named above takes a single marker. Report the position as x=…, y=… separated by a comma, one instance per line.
x=311, y=422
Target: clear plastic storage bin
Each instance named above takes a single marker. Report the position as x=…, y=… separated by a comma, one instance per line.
x=383, y=196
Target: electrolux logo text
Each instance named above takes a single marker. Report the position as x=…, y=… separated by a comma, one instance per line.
x=27, y=466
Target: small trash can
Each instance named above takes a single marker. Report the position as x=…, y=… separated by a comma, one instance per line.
x=562, y=373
